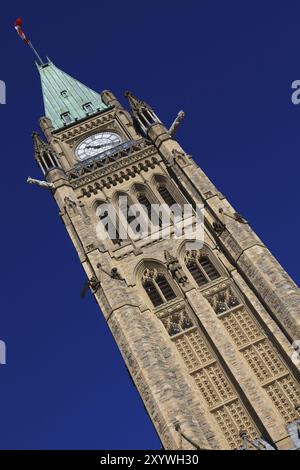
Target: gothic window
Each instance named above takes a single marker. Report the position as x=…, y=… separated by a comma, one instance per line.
x=109, y=224
x=144, y=200
x=88, y=108
x=157, y=287
x=201, y=267
x=166, y=195
x=66, y=117
x=165, y=287
x=124, y=206
x=153, y=293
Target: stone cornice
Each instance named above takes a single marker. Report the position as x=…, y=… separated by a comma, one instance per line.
x=81, y=128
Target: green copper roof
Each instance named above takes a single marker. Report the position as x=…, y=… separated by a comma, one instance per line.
x=63, y=94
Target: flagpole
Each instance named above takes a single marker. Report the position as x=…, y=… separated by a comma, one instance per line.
x=35, y=53
x=18, y=28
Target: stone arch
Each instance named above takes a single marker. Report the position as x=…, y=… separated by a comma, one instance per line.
x=156, y=282
x=201, y=265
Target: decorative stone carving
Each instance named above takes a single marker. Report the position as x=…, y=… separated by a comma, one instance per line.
x=235, y=216
x=218, y=227
x=110, y=165
x=41, y=184
x=177, y=155
x=176, y=123
x=114, y=274
x=90, y=247
x=175, y=268
x=71, y=206
x=190, y=255
x=223, y=300
x=93, y=123
x=93, y=283
x=177, y=322
x=149, y=274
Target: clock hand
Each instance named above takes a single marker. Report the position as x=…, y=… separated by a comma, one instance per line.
x=96, y=146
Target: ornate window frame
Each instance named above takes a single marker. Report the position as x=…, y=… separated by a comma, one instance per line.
x=162, y=180
x=150, y=269
x=206, y=251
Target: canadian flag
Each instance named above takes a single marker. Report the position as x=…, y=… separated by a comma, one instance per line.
x=18, y=28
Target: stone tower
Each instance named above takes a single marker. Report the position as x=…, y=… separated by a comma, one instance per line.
x=206, y=332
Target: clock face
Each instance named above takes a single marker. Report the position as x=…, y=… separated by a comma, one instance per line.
x=96, y=144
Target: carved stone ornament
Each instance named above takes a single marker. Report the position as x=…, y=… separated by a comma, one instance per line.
x=178, y=155
x=94, y=284
x=175, y=268
x=191, y=255
x=149, y=274
x=114, y=274
x=218, y=228
x=70, y=206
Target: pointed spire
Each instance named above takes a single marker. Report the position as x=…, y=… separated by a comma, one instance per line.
x=39, y=145
x=66, y=100
x=136, y=104
x=141, y=111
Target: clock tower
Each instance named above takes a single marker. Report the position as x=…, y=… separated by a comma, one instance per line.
x=205, y=326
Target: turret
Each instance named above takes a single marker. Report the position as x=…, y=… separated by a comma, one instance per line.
x=44, y=154
x=142, y=113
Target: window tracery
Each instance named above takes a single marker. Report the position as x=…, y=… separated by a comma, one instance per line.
x=157, y=286
x=201, y=267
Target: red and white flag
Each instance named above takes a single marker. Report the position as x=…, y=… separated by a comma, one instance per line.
x=18, y=28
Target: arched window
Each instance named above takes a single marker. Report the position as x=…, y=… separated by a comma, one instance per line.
x=109, y=223
x=166, y=195
x=201, y=267
x=124, y=205
x=157, y=287
x=143, y=198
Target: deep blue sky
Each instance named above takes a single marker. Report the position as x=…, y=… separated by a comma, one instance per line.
x=229, y=66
